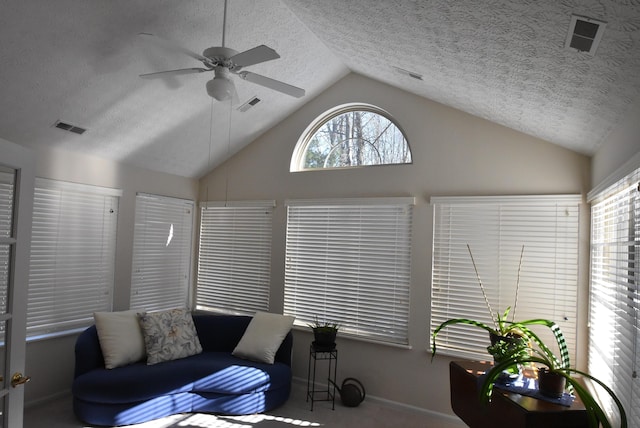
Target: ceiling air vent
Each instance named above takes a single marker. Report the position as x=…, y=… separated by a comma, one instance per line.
x=246, y=106
x=68, y=127
x=416, y=76
x=584, y=34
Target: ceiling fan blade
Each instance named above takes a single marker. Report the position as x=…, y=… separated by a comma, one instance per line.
x=276, y=85
x=159, y=41
x=178, y=72
x=255, y=55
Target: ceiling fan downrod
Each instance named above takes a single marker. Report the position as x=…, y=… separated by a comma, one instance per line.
x=224, y=22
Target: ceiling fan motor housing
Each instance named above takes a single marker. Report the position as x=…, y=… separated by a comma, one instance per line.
x=221, y=56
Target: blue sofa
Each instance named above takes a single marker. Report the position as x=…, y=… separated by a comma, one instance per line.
x=213, y=381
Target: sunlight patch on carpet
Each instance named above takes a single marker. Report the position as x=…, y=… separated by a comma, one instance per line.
x=201, y=420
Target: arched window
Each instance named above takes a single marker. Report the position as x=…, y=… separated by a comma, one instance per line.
x=349, y=136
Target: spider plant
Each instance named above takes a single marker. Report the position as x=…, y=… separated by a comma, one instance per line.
x=512, y=336
x=540, y=359
x=325, y=326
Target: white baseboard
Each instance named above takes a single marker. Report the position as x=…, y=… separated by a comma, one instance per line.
x=398, y=405
x=48, y=398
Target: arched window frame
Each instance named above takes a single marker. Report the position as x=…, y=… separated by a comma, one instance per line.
x=297, y=159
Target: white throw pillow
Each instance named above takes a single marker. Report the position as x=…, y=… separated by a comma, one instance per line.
x=263, y=337
x=120, y=337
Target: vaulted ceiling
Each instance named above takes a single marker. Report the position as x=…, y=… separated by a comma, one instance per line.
x=79, y=61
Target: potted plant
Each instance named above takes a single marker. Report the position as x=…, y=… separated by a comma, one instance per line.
x=557, y=376
x=514, y=345
x=509, y=337
x=324, y=334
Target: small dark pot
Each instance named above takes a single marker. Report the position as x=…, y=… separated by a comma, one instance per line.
x=550, y=384
x=324, y=339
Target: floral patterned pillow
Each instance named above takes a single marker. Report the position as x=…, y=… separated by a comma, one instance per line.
x=169, y=335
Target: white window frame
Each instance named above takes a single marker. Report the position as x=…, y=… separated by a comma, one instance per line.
x=496, y=229
x=72, y=262
x=162, y=249
x=234, y=257
x=614, y=327
x=349, y=261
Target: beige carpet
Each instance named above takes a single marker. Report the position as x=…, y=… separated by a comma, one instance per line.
x=295, y=413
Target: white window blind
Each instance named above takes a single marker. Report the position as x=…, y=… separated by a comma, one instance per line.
x=234, y=266
x=7, y=189
x=73, y=245
x=161, y=267
x=615, y=275
x=496, y=229
x=349, y=261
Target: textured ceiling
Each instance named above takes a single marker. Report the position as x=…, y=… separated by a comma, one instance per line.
x=79, y=61
x=502, y=60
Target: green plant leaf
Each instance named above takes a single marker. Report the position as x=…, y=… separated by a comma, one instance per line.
x=623, y=414
x=557, y=333
x=457, y=321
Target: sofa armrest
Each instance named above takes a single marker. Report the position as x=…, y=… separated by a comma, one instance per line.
x=88, y=352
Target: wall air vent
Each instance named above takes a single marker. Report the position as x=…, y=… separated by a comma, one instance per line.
x=416, y=76
x=68, y=127
x=584, y=34
x=246, y=106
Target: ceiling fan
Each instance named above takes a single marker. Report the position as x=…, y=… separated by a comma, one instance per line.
x=224, y=62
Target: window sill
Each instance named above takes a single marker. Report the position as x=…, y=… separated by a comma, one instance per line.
x=352, y=337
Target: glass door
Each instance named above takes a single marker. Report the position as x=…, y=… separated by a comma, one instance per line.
x=7, y=196
x=16, y=202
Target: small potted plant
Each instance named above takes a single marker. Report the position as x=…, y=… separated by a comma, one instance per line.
x=324, y=334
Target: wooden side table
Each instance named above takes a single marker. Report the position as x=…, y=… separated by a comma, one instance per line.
x=506, y=409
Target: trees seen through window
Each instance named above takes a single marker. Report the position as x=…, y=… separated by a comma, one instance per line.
x=352, y=136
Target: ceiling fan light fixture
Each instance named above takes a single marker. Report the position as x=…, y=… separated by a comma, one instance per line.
x=220, y=87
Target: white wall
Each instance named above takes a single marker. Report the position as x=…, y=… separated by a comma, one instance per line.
x=622, y=143
x=50, y=362
x=453, y=154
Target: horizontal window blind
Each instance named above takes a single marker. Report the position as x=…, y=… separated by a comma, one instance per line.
x=496, y=229
x=615, y=275
x=234, y=262
x=7, y=188
x=72, y=255
x=7, y=194
x=161, y=266
x=349, y=261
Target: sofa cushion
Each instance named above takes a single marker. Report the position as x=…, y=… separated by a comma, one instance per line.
x=120, y=338
x=263, y=337
x=169, y=335
x=208, y=372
